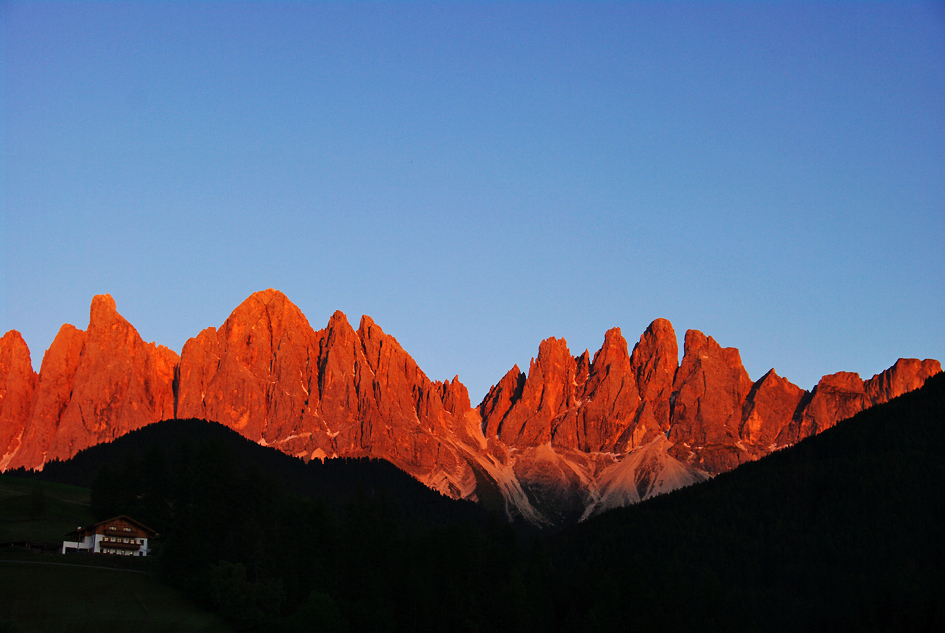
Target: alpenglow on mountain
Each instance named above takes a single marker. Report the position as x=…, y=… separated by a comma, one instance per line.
x=573, y=436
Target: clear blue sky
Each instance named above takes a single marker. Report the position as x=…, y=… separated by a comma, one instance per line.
x=480, y=176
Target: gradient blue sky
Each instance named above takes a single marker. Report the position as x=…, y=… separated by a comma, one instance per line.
x=480, y=176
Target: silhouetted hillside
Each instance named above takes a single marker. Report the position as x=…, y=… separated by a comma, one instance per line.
x=333, y=481
x=841, y=532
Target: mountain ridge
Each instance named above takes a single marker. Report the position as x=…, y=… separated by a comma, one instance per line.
x=542, y=439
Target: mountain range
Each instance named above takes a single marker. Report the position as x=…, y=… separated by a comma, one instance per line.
x=569, y=438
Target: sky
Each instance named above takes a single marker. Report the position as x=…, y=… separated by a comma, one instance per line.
x=479, y=176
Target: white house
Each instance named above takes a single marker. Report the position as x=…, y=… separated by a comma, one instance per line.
x=122, y=536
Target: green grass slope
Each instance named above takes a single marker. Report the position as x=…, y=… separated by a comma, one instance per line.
x=843, y=532
x=52, y=592
x=41, y=595
x=40, y=511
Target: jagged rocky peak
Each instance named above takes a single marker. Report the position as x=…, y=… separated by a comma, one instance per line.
x=17, y=385
x=103, y=310
x=573, y=434
x=16, y=368
x=340, y=346
x=844, y=394
x=548, y=391
x=337, y=391
x=836, y=397
x=263, y=320
x=613, y=350
x=339, y=321
x=385, y=356
x=226, y=375
x=95, y=386
x=905, y=376
x=456, y=396
x=655, y=360
x=769, y=408
x=587, y=405
x=610, y=366
x=53, y=395
x=708, y=393
x=107, y=328
x=397, y=381
x=604, y=406
x=498, y=401
x=341, y=366
x=710, y=384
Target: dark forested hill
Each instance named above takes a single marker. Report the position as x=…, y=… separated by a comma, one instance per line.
x=842, y=532
x=161, y=450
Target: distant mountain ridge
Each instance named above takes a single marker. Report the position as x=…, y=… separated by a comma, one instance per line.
x=573, y=436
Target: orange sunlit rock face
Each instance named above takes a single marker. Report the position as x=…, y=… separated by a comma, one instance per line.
x=587, y=406
x=655, y=360
x=710, y=388
x=768, y=410
x=572, y=434
x=906, y=375
x=338, y=391
x=836, y=397
x=713, y=415
x=53, y=394
x=17, y=384
x=256, y=374
x=605, y=405
x=95, y=386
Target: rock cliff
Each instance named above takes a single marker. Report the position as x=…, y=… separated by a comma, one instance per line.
x=573, y=436
x=17, y=385
x=317, y=394
x=95, y=386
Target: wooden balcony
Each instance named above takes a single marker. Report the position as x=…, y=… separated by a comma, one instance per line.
x=118, y=545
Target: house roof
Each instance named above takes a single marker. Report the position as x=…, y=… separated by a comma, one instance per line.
x=123, y=517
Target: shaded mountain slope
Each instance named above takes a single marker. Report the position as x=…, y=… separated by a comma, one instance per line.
x=334, y=481
x=841, y=532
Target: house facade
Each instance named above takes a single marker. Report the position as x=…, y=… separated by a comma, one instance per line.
x=120, y=536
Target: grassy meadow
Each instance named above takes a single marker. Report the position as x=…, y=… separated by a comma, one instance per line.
x=43, y=595
x=78, y=592
x=41, y=511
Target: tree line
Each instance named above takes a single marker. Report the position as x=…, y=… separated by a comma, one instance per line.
x=841, y=532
